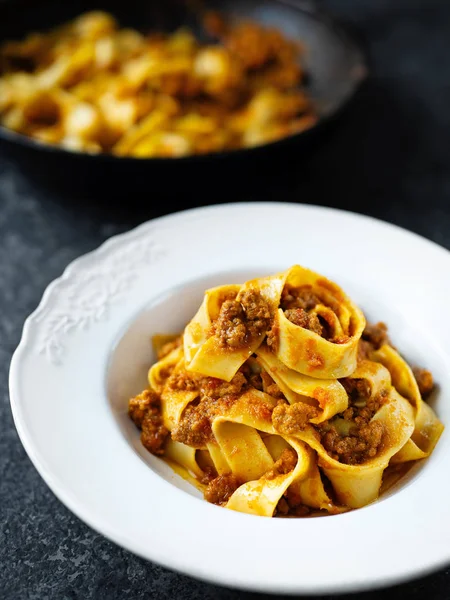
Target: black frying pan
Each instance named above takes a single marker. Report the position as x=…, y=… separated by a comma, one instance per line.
x=334, y=63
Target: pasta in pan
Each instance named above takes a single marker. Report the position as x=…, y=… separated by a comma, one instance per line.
x=279, y=399
x=92, y=86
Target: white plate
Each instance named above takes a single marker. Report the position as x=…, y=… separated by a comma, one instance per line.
x=86, y=349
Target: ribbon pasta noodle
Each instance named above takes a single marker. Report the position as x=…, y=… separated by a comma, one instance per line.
x=279, y=399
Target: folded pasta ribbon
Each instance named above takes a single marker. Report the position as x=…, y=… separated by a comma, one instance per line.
x=305, y=350
x=204, y=350
x=427, y=427
x=327, y=395
x=251, y=447
x=356, y=485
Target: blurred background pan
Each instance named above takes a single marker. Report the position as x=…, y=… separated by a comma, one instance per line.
x=334, y=63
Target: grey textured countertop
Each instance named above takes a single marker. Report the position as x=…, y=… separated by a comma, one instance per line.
x=389, y=157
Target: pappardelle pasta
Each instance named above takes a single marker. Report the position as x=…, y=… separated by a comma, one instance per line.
x=279, y=400
x=92, y=86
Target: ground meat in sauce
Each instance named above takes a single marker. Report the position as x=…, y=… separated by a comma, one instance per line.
x=424, y=380
x=356, y=388
x=229, y=326
x=216, y=397
x=365, y=436
x=255, y=381
x=356, y=448
x=295, y=504
x=168, y=347
x=209, y=473
x=272, y=339
x=282, y=508
x=194, y=427
x=255, y=307
x=285, y=464
x=138, y=406
x=291, y=502
x=289, y=419
x=241, y=321
x=166, y=372
x=365, y=350
x=300, y=511
x=286, y=507
x=219, y=490
x=270, y=387
x=183, y=381
x=298, y=305
x=301, y=297
x=207, y=386
x=145, y=412
x=274, y=391
x=259, y=409
x=300, y=317
x=217, y=388
x=253, y=377
x=376, y=335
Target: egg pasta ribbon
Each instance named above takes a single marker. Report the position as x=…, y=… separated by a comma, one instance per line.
x=241, y=315
x=427, y=427
x=317, y=327
x=328, y=395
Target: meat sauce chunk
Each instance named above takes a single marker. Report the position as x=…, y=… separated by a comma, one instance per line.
x=376, y=334
x=284, y=465
x=298, y=305
x=242, y=321
x=145, y=412
x=424, y=380
x=216, y=397
x=289, y=419
x=221, y=488
x=362, y=437
x=300, y=317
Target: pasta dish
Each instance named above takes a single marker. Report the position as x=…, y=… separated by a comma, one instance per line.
x=280, y=400
x=92, y=86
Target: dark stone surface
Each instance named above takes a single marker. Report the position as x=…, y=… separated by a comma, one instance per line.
x=389, y=157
